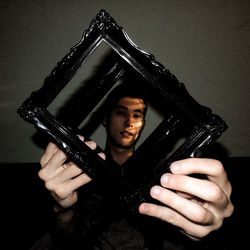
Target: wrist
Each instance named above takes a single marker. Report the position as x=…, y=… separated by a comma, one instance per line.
x=59, y=209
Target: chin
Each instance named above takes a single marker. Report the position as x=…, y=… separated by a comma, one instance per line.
x=121, y=143
x=128, y=145
x=125, y=145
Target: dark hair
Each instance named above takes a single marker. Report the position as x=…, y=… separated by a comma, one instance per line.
x=124, y=89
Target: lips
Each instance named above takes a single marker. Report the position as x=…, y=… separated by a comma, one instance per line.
x=126, y=134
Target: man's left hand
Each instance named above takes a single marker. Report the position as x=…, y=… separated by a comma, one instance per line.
x=196, y=206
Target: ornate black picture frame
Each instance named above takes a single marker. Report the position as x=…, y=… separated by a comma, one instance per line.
x=201, y=126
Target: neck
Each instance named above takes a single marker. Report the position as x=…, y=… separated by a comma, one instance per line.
x=119, y=155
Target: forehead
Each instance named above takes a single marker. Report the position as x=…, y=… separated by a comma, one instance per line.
x=132, y=103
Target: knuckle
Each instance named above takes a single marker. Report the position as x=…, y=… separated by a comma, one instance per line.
x=42, y=174
x=157, y=212
x=172, y=218
x=192, y=160
x=219, y=224
x=216, y=194
x=202, y=233
x=50, y=185
x=60, y=192
x=204, y=218
x=230, y=210
x=75, y=169
x=219, y=168
x=169, y=216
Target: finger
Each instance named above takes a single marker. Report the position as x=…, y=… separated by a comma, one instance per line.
x=70, y=200
x=57, y=159
x=70, y=171
x=174, y=218
x=81, y=137
x=189, y=209
x=63, y=174
x=207, y=191
x=65, y=189
x=78, y=181
x=163, y=213
x=185, y=195
x=213, y=169
x=51, y=149
x=102, y=155
x=91, y=144
x=53, y=166
x=171, y=216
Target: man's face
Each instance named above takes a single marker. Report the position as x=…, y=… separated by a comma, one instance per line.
x=126, y=122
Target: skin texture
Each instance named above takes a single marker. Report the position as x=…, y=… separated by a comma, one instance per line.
x=196, y=206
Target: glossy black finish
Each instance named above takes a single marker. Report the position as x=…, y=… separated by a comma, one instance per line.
x=149, y=162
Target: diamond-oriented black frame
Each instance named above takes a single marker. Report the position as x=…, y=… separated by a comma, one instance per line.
x=160, y=83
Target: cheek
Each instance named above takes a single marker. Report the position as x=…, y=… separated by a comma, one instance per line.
x=139, y=128
x=138, y=125
x=114, y=124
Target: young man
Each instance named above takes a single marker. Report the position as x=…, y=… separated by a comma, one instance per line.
x=87, y=218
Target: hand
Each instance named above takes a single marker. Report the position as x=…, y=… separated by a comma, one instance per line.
x=196, y=206
x=63, y=179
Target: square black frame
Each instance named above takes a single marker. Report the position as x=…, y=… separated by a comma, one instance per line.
x=133, y=191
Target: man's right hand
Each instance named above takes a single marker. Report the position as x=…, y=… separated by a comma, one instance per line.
x=63, y=179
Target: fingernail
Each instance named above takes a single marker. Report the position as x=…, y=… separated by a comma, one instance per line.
x=174, y=167
x=155, y=190
x=143, y=208
x=164, y=179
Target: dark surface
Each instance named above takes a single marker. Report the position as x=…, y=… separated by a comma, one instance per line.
x=26, y=205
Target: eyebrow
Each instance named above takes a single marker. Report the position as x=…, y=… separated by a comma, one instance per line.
x=124, y=107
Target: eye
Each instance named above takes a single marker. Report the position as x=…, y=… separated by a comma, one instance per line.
x=120, y=112
x=138, y=116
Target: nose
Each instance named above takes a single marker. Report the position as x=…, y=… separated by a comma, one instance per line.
x=129, y=121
